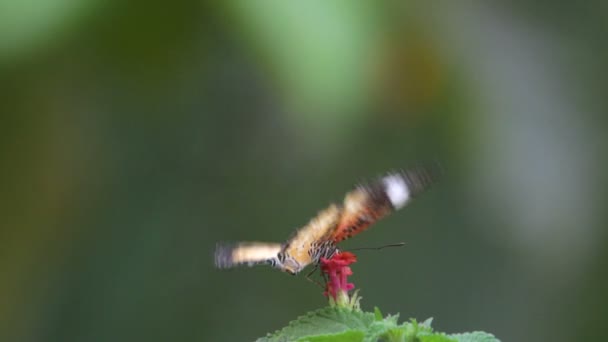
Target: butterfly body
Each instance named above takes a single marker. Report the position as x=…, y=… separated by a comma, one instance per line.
x=361, y=207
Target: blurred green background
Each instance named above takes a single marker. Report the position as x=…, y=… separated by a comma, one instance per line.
x=135, y=135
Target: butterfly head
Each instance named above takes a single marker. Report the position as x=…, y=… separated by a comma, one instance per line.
x=288, y=264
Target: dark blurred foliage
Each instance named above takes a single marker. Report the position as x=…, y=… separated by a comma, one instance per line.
x=137, y=135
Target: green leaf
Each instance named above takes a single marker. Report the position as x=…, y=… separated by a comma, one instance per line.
x=475, y=336
x=377, y=313
x=336, y=323
x=380, y=329
x=427, y=322
x=329, y=320
x=436, y=338
x=411, y=330
x=347, y=336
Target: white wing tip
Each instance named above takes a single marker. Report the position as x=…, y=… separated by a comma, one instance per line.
x=397, y=190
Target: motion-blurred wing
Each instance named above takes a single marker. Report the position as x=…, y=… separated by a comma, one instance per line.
x=370, y=202
x=302, y=244
x=246, y=253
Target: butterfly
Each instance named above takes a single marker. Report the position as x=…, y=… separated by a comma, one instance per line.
x=361, y=207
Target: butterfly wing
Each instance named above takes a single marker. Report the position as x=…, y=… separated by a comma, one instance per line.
x=246, y=253
x=370, y=202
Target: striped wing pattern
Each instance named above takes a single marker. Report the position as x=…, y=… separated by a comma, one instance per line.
x=368, y=203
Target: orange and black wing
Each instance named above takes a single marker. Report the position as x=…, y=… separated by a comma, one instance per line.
x=370, y=202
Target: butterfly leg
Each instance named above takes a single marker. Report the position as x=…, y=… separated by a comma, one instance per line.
x=313, y=280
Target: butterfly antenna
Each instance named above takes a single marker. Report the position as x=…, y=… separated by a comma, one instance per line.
x=400, y=244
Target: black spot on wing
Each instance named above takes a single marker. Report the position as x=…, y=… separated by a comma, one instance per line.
x=421, y=177
x=376, y=194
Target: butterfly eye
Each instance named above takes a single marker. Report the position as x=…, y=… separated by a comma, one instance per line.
x=281, y=257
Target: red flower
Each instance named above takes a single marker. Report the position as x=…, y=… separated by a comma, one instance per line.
x=337, y=271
